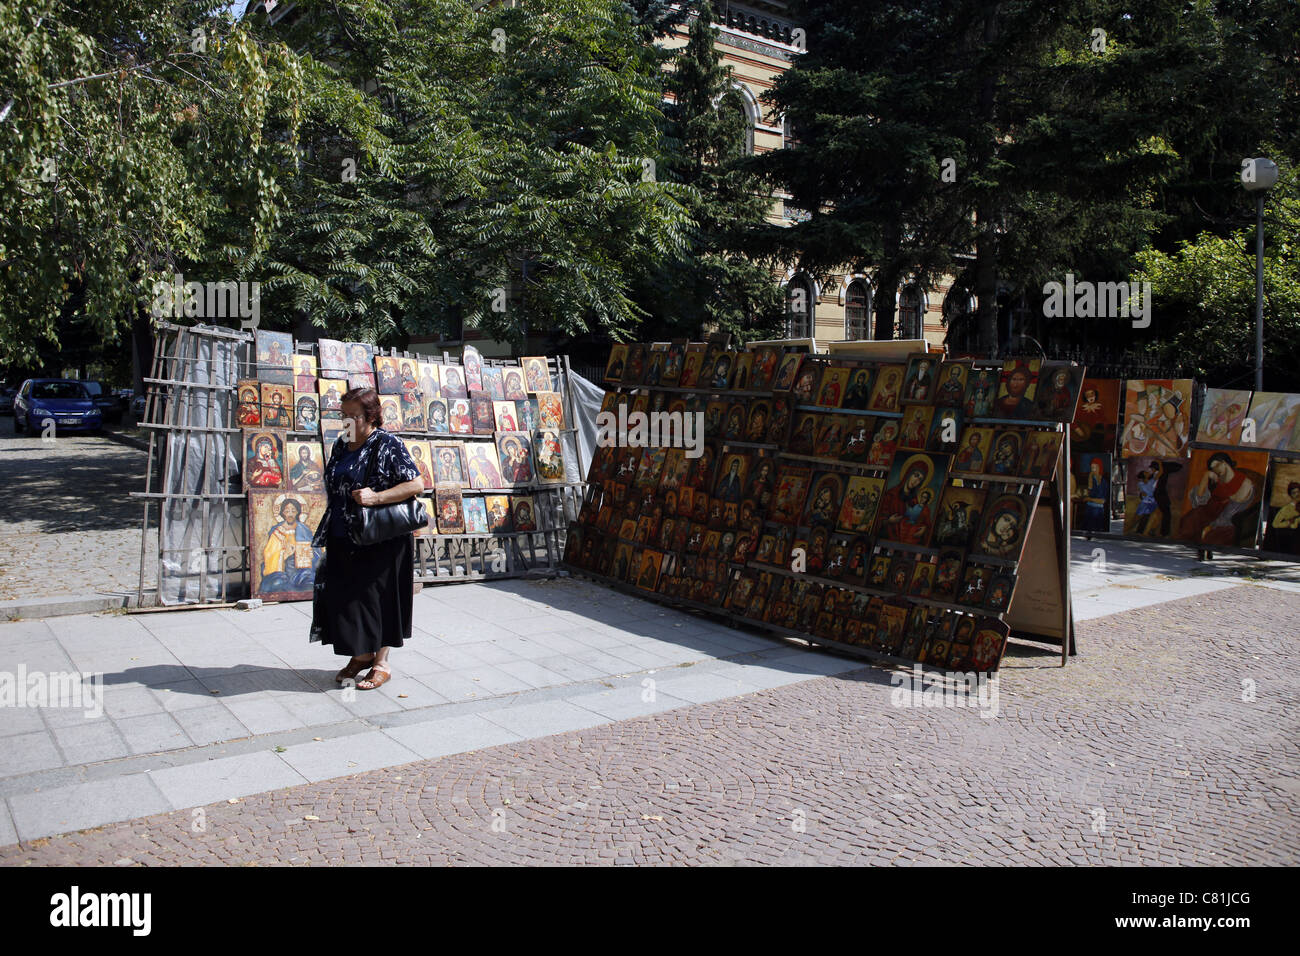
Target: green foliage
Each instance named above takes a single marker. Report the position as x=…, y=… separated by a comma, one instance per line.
x=131, y=150
x=1205, y=293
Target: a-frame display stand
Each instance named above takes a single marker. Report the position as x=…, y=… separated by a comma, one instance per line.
x=1041, y=610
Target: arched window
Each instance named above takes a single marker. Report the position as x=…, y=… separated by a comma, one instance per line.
x=800, y=307
x=857, y=311
x=910, y=309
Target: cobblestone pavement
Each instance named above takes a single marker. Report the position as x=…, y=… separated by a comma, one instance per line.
x=1171, y=740
x=67, y=523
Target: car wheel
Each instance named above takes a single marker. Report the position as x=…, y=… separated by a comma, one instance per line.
x=18, y=425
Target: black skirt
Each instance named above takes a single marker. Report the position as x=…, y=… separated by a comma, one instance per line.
x=365, y=603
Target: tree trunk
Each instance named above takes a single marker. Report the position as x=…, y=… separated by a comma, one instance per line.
x=986, y=265
x=886, y=299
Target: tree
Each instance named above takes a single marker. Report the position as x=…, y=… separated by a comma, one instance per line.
x=712, y=285
x=134, y=144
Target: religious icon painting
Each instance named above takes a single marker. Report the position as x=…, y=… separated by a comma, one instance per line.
x=909, y=506
x=856, y=445
x=451, y=510
x=805, y=389
x=498, y=514
x=1017, y=387
x=430, y=528
x=430, y=383
x=274, y=354
x=803, y=437
x=922, y=582
x=263, y=459
x=791, y=491
x=304, y=373
x=249, y=411
x=388, y=374
x=888, y=388
x=892, y=636
x=878, y=571
x=951, y=388
x=476, y=520
x=550, y=410
x=945, y=429
x=436, y=418
x=516, y=460
x=947, y=576
x=787, y=371
x=830, y=391
x=857, y=391
x=527, y=414
x=731, y=477
x=331, y=393
x=306, y=412
x=1096, y=416
x=763, y=372
x=421, y=455
x=824, y=500
x=672, y=364
x=919, y=384
x=973, y=449
x=1224, y=493
x=453, y=383
x=361, y=380
x=471, y=361
x=830, y=436
x=1276, y=418
x=306, y=465
x=760, y=416
x=733, y=424
x=277, y=405
x=482, y=414
x=717, y=370
x=900, y=572
x=778, y=427
x=412, y=412
x=1005, y=457
x=333, y=362
x=961, y=511
x=915, y=427
x=1040, y=453
x=1283, y=509
x=1006, y=518
x=390, y=408
x=281, y=526
x=999, y=590
x=494, y=383
x=360, y=360
x=1058, y=391
x=975, y=584
x=692, y=362
x=549, y=458
x=505, y=415
x=989, y=643
x=981, y=392
x=635, y=369
x=861, y=497
x=523, y=511
x=647, y=575
x=742, y=371
x=448, y=463
x=884, y=443
x=617, y=361
x=459, y=413
x=654, y=367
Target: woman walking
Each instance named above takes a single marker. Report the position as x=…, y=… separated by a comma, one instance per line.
x=362, y=603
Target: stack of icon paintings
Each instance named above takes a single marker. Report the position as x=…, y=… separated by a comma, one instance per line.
x=486, y=439
x=883, y=505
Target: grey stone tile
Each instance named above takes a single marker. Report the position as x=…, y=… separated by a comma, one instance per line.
x=21, y=720
x=313, y=709
x=533, y=674
x=625, y=703
x=344, y=756
x=451, y=735
x=84, y=805
x=699, y=688
x=491, y=681
x=35, y=656
x=27, y=753
x=409, y=692
x=92, y=742
x=605, y=662
x=455, y=686
x=252, y=683
x=8, y=835
x=153, y=733
x=211, y=724
x=765, y=677
x=130, y=700
x=14, y=633
x=644, y=657
x=570, y=668
x=177, y=695
x=559, y=643
x=263, y=715
x=197, y=784
x=544, y=718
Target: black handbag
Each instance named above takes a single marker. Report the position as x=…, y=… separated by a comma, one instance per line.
x=383, y=522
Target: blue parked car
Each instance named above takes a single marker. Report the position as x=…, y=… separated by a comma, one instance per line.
x=62, y=399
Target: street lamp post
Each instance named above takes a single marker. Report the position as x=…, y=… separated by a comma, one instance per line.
x=1258, y=176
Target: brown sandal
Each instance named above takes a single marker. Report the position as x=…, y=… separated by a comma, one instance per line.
x=376, y=678
x=353, y=668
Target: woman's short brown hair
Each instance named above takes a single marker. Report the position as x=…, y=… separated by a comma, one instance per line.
x=368, y=399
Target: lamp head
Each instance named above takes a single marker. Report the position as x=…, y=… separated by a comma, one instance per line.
x=1258, y=174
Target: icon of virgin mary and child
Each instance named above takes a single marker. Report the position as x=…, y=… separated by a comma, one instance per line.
x=906, y=512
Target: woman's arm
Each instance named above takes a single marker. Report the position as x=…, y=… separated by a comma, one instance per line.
x=407, y=489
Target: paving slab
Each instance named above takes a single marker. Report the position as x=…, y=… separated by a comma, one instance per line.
x=85, y=805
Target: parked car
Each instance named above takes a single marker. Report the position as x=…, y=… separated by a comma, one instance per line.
x=108, y=403
x=64, y=400
x=137, y=407
x=7, y=400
